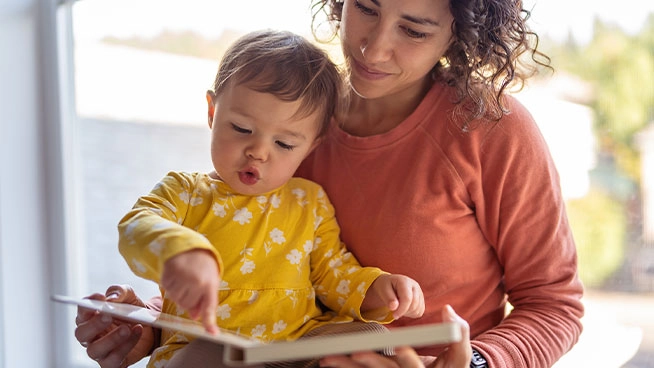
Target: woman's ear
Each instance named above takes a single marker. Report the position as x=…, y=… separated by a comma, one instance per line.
x=210, y=106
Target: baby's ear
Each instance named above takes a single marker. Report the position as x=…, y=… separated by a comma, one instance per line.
x=210, y=106
x=316, y=143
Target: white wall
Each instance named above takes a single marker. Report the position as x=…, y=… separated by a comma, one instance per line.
x=26, y=320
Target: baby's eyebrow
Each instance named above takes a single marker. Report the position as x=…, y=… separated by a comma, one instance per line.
x=294, y=134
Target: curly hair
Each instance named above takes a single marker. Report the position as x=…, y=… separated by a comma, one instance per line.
x=484, y=59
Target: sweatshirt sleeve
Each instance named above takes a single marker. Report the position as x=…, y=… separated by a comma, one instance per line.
x=340, y=281
x=522, y=213
x=153, y=231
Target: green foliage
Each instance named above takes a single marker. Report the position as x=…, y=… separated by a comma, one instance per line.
x=620, y=67
x=599, y=227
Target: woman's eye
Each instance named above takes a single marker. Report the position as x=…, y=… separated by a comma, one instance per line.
x=364, y=9
x=241, y=130
x=285, y=146
x=414, y=34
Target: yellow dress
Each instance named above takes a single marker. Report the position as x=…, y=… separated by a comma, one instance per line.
x=277, y=252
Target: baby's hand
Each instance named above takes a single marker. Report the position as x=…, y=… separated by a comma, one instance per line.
x=399, y=293
x=192, y=279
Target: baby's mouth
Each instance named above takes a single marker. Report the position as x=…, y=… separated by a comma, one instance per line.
x=249, y=177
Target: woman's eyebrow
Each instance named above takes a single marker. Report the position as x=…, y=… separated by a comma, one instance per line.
x=421, y=21
x=412, y=19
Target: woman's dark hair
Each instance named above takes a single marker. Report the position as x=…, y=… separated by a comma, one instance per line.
x=490, y=38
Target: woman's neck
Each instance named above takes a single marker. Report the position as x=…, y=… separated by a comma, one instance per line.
x=368, y=117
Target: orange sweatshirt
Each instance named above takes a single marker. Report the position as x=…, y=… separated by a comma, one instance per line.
x=476, y=217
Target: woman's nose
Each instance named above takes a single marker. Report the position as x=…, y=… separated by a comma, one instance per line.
x=377, y=47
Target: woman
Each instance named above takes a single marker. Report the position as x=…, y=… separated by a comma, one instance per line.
x=437, y=174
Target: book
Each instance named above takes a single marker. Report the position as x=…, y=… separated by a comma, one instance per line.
x=242, y=350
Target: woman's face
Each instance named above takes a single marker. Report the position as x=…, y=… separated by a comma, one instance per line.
x=390, y=46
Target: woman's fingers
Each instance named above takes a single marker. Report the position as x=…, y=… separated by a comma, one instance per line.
x=110, y=350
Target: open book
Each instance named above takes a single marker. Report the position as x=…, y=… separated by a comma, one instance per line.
x=240, y=350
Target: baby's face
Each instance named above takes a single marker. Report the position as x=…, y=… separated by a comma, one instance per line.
x=257, y=143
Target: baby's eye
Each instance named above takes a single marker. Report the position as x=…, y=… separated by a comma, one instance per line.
x=285, y=146
x=364, y=9
x=241, y=130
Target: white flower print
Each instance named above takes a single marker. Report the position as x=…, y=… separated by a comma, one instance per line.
x=258, y=331
x=246, y=251
x=275, y=201
x=162, y=225
x=129, y=229
x=361, y=288
x=267, y=247
x=219, y=210
x=185, y=196
x=335, y=262
x=327, y=253
x=317, y=220
x=295, y=256
x=224, y=311
x=196, y=201
x=279, y=326
x=300, y=196
x=156, y=246
x=247, y=267
x=299, y=193
x=277, y=236
x=157, y=211
x=253, y=298
x=343, y=287
x=292, y=295
x=341, y=301
x=242, y=216
x=138, y=266
x=262, y=200
x=308, y=246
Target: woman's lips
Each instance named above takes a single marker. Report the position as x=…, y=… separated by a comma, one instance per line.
x=367, y=73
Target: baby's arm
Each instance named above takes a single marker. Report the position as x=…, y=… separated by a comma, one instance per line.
x=192, y=279
x=400, y=294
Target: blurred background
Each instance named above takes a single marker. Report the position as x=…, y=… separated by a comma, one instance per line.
x=130, y=81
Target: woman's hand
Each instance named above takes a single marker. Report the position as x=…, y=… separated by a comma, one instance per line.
x=456, y=355
x=110, y=342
